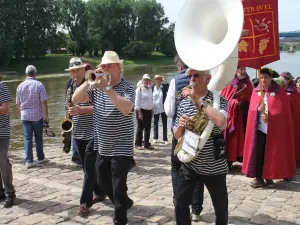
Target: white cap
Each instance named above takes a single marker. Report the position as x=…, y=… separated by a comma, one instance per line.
x=146, y=77
x=30, y=69
x=75, y=63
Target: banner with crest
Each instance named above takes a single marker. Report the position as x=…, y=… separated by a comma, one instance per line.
x=261, y=45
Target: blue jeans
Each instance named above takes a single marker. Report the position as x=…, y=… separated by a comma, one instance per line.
x=35, y=127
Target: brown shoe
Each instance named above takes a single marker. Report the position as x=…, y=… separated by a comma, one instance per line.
x=83, y=210
x=97, y=199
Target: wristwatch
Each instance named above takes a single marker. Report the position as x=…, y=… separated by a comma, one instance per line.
x=107, y=88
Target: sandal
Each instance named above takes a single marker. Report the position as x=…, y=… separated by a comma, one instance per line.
x=83, y=210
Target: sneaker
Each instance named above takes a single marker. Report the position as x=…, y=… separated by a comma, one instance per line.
x=42, y=161
x=270, y=183
x=10, y=201
x=195, y=217
x=155, y=140
x=166, y=142
x=29, y=165
x=257, y=183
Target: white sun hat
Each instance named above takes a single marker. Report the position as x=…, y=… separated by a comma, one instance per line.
x=110, y=57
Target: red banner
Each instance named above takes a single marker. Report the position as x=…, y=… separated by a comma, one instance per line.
x=261, y=45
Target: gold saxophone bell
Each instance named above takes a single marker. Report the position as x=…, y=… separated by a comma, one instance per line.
x=67, y=125
x=91, y=76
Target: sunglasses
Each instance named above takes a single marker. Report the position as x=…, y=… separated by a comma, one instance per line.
x=193, y=75
x=76, y=63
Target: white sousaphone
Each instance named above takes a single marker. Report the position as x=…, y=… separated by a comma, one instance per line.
x=206, y=36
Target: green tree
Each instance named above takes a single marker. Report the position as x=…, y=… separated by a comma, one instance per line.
x=167, y=44
x=112, y=22
x=75, y=20
x=150, y=20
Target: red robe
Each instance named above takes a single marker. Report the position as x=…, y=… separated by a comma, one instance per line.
x=235, y=130
x=279, y=154
x=294, y=97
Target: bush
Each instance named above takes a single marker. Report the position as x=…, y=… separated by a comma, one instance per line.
x=138, y=49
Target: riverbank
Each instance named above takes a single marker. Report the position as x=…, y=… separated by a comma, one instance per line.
x=50, y=194
x=56, y=64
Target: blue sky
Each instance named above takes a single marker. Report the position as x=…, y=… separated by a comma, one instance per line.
x=289, y=10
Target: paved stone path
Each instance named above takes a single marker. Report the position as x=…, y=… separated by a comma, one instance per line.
x=50, y=195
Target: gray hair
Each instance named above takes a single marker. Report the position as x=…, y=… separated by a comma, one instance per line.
x=30, y=71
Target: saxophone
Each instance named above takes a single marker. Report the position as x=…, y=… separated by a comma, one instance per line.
x=67, y=124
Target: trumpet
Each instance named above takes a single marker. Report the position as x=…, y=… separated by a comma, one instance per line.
x=91, y=77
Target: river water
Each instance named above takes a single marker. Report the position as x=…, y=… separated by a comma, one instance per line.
x=55, y=87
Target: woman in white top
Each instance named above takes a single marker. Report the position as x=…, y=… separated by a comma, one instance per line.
x=159, y=90
x=143, y=109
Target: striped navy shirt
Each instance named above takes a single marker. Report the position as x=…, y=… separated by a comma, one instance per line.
x=4, y=119
x=113, y=132
x=83, y=124
x=205, y=163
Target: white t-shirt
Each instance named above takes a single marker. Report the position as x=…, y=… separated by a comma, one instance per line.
x=262, y=126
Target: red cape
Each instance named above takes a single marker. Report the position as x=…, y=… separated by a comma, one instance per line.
x=279, y=155
x=294, y=97
x=235, y=130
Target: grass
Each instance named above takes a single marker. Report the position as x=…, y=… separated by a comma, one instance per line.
x=57, y=63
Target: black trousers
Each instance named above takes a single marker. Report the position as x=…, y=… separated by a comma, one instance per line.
x=198, y=193
x=164, y=119
x=143, y=125
x=112, y=178
x=216, y=186
x=88, y=157
x=261, y=149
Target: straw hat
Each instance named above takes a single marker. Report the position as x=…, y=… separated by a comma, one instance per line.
x=158, y=77
x=75, y=63
x=110, y=57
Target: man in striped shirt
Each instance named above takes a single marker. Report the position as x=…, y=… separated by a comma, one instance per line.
x=82, y=117
x=6, y=176
x=208, y=167
x=32, y=103
x=113, y=131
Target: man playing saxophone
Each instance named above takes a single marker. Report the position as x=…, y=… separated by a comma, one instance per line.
x=209, y=166
x=82, y=116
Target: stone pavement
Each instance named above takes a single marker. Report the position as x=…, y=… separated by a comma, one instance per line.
x=50, y=194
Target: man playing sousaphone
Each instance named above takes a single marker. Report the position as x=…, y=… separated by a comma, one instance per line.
x=210, y=166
